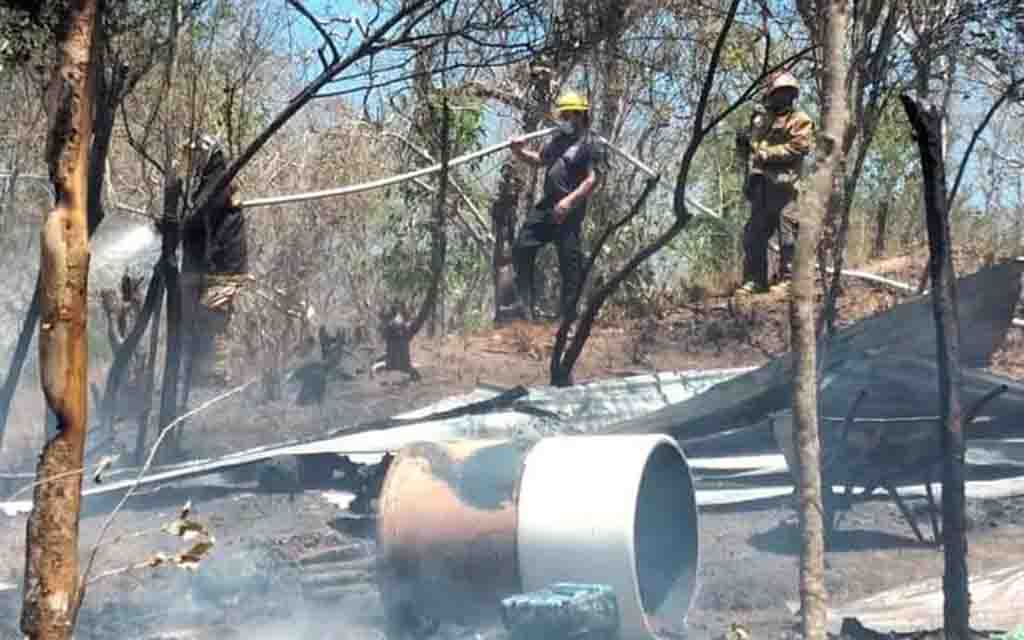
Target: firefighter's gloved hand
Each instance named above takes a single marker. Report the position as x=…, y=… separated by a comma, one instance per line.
x=758, y=150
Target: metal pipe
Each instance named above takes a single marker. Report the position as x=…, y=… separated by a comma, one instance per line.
x=463, y=524
x=614, y=510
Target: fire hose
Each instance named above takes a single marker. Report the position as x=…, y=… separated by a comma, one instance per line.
x=454, y=162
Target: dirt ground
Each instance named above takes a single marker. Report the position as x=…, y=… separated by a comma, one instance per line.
x=252, y=585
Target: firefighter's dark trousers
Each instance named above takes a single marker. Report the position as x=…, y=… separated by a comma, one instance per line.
x=539, y=229
x=773, y=207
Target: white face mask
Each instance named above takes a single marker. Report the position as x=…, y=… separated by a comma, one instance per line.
x=567, y=127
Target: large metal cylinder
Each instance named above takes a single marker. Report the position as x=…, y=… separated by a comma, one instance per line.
x=446, y=528
x=463, y=524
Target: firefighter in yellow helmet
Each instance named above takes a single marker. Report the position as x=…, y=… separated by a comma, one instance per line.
x=779, y=140
x=571, y=161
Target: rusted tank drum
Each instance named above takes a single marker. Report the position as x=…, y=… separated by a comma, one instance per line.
x=447, y=527
x=463, y=524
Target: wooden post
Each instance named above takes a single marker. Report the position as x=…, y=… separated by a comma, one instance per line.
x=52, y=592
x=926, y=122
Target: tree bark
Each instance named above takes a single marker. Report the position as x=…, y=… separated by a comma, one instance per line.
x=109, y=93
x=150, y=379
x=170, y=233
x=10, y=192
x=832, y=72
x=926, y=122
x=52, y=591
x=881, y=227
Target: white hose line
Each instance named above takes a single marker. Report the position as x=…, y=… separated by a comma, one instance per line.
x=651, y=173
x=384, y=182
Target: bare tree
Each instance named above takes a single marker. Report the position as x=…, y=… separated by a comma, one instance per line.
x=870, y=85
x=830, y=30
x=52, y=592
x=435, y=123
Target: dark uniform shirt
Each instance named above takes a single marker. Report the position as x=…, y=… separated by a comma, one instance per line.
x=221, y=234
x=568, y=161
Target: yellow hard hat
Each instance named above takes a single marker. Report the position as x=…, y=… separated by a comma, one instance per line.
x=571, y=101
x=782, y=80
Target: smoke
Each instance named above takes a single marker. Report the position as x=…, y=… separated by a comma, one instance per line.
x=251, y=589
x=120, y=245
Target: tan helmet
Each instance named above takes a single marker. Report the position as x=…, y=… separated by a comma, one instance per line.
x=781, y=80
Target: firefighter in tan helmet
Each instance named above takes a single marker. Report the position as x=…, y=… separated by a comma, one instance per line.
x=779, y=139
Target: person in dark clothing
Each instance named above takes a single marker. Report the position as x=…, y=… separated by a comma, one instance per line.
x=215, y=264
x=571, y=161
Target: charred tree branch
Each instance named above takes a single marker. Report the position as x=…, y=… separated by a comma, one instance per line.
x=926, y=123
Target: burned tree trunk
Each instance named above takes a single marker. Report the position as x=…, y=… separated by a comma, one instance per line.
x=396, y=330
x=503, y=216
x=881, y=228
x=170, y=232
x=52, y=591
x=107, y=92
x=149, y=378
x=927, y=124
x=565, y=353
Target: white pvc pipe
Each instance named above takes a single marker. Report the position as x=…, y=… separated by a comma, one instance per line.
x=613, y=510
x=651, y=173
x=384, y=182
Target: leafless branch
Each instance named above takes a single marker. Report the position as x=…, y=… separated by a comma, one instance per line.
x=372, y=42
x=1010, y=90
x=319, y=28
x=137, y=145
x=149, y=462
